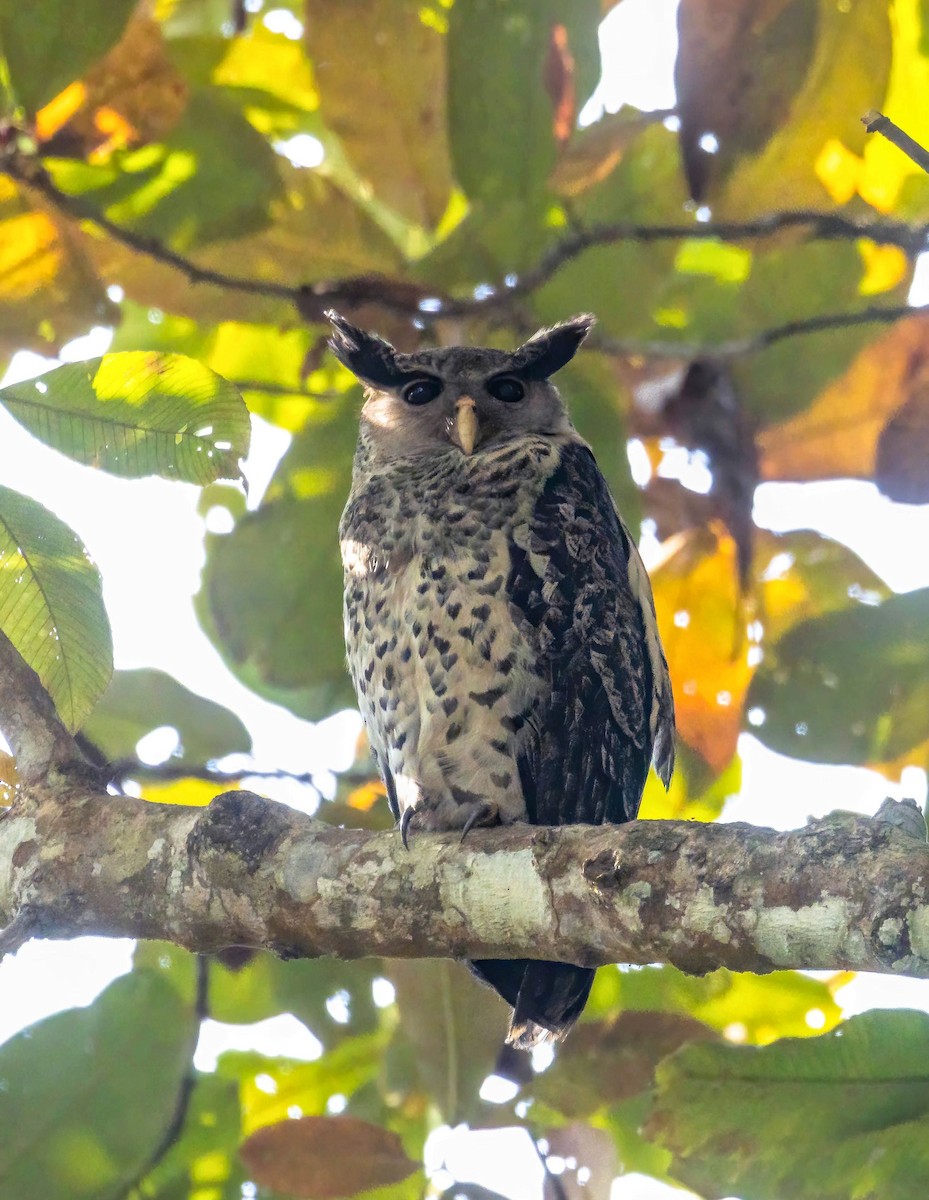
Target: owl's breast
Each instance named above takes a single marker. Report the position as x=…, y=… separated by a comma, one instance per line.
x=446, y=672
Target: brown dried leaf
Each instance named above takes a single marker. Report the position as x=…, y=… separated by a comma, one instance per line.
x=133, y=96
x=558, y=77
x=593, y=152
x=607, y=1062
x=324, y=1158
x=739, y=64
x=872, y=422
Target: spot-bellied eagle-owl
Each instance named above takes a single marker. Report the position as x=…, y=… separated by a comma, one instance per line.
x=499, y=622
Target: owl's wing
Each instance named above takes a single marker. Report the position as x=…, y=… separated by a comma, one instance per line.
x=577, y=578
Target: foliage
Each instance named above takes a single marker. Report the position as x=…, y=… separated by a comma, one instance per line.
x=150, y=179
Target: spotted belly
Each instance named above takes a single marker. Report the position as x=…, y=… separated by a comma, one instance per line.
x=445, y=678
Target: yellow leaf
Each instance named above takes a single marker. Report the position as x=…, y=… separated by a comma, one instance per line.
x=885, y=267
x=886, y=168
x=366, y=796
x=195, y=793
x=59, y=110
x=839, y=170
x=703, y=620
x=48, y=290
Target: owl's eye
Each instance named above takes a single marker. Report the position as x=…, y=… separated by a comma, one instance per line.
x=507, y=389
x=422, y=391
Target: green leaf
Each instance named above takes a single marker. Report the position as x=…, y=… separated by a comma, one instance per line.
x=50, y=43
x=136, y=702
x=452, y=1027
x=842, y=1115
x=51, y=606
x=849, y=687
x=205, y=1155
x=138, y=413
x=623, y=283
x=794, y=283
x=756, y=1008
x=501, y=113
x=189, y=190
x=293, y=651
x=266, y=985
x=847, y=76
x=308, y=1086
x=87, y=1095
x=377, y=57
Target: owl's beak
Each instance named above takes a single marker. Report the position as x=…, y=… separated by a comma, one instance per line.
x=466, y=424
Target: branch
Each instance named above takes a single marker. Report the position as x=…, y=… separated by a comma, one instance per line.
x=754, y=342
x=876, y=122
x=28, y=719
x=415, y=301
x=848, y=893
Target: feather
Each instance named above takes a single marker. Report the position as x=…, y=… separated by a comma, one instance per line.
x=587, y=754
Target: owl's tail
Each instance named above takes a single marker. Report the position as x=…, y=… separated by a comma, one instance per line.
x=546, y=997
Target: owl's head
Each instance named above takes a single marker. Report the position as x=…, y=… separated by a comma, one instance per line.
x=468, y=397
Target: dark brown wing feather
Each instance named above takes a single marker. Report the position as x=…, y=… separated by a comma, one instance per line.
x=587, y=748
x=590, y=748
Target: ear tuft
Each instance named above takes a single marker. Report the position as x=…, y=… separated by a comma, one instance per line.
x=366, y=355
x=550, y=349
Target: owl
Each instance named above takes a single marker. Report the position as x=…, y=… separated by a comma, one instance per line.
x=499, y=622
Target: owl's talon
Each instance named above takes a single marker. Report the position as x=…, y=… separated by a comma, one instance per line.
x=404, y=824
x=484, y=813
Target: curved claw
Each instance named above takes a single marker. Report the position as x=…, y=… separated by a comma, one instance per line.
x=479, y=815
x=404, y=824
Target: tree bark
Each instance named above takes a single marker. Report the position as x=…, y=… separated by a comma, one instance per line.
x=846, y=893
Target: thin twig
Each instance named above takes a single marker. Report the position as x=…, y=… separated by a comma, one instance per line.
x=281, y=389
x=185, y=1091
x=876, y=122
x=752, y=343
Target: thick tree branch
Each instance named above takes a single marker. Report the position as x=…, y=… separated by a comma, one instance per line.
x=30, y=724
x=848, y=893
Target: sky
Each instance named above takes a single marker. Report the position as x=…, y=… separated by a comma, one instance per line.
x=147, y=538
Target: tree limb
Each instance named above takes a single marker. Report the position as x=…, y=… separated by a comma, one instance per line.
x=414, y=301
x=31, y=725
x=847, y=893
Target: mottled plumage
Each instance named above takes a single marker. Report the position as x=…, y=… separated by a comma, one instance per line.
x=499, y=623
